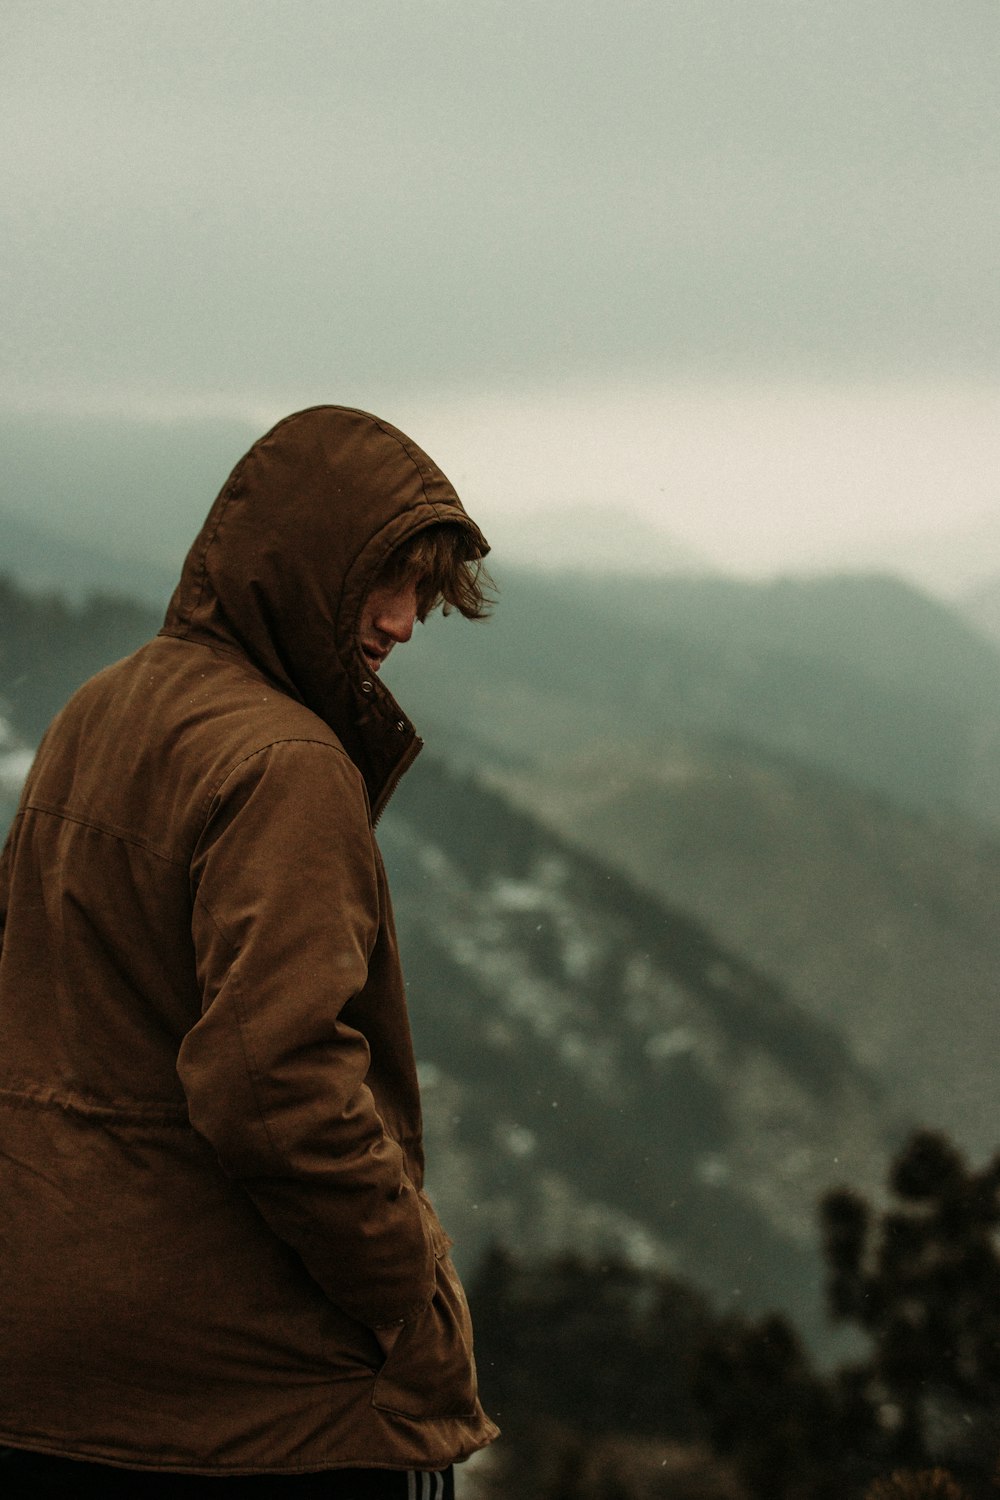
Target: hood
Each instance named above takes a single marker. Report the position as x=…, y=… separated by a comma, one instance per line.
x=294, y=541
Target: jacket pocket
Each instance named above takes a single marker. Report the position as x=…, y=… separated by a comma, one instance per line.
x=430, y=1371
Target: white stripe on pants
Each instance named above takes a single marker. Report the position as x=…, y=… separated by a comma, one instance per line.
x=421, y=1485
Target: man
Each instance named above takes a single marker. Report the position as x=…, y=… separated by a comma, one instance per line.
x=219, y=1267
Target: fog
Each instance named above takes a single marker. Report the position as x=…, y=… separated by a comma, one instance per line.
x=730, y=267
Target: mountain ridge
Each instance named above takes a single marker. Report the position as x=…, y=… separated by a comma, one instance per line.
x=579, y=1031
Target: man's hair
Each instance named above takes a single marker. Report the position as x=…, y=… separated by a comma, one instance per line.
x=438, y=557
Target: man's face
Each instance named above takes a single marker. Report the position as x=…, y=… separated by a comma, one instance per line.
x=388, y=615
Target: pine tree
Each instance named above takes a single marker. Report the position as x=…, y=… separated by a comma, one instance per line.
x=923, y=1282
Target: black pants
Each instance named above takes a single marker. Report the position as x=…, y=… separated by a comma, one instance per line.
x=37, y=1476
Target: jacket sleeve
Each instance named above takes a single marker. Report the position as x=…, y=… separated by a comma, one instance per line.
x=285, y=914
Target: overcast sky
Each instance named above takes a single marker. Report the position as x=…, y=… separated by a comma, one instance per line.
x=732, y=263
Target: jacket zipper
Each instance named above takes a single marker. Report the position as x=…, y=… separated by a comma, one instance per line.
x=402, y=766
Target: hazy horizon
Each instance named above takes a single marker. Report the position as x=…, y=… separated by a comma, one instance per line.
x=730, y=266
x=747, y=482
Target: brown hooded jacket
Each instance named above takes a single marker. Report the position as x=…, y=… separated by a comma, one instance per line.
x=210, y=1158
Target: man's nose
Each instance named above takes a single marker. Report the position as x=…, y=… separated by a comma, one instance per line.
x=398, y=616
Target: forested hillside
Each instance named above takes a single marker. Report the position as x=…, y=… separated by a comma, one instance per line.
x=882, y=920
x=601, y=1072
x=809, y=766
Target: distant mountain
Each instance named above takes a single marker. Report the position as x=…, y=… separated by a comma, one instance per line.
x=600, y=1072
x=949, y=560
x=880, y=921
x=136, y=488
x=43, y=560
x=592, y=539
x=865, y=677
x=48, y=647
x=981, y=605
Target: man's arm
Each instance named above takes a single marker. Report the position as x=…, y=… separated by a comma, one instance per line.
x=285, y=916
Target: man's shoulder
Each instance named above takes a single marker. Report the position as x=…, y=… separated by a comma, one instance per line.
x=220, y=695
x=154, y=736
